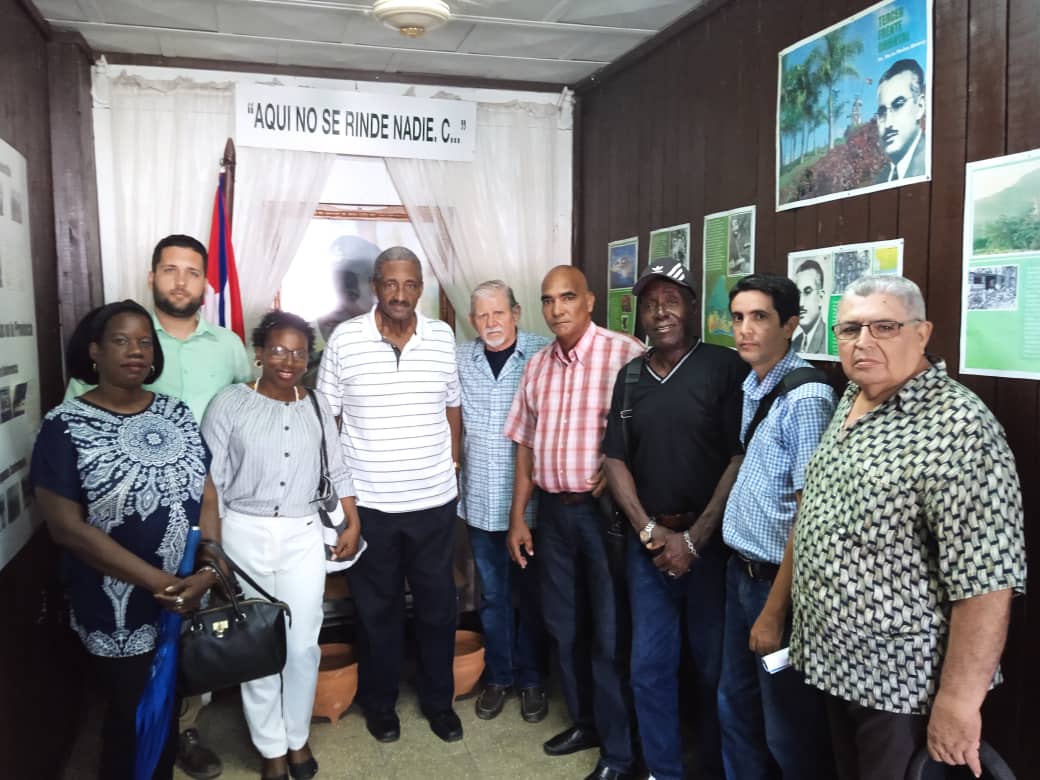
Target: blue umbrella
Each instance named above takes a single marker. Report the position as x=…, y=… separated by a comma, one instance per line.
x=155, y=709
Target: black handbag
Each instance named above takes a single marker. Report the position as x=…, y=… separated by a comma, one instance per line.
x=225, y=645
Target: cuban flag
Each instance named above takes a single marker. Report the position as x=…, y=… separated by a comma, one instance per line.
x=223, y=301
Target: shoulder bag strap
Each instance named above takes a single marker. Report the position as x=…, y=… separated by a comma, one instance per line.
x=321, y=427
x=632, y=372
x=791, y=380
x=218, y=551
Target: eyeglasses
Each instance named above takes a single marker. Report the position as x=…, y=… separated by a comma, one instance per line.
x=895, y=106
x=879, y=329
x=280, y=352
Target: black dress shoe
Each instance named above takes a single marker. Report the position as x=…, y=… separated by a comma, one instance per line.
x=384, y=726
x=446, y=725
x=571, y=741
x=195, y=759
x=491, y=701
x=304, y=770
x=534, y=705
x=604, y=772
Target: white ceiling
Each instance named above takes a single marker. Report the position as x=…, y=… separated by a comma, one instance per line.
x=553, y=41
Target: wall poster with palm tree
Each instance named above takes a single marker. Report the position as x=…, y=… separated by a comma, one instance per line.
x=852, y=106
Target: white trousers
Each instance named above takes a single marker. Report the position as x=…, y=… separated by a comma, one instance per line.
x=286, y=558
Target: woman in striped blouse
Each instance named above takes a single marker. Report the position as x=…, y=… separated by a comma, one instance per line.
x=266, y=441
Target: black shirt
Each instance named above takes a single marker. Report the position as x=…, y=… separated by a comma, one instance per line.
x=498, y=359
x=684, y=429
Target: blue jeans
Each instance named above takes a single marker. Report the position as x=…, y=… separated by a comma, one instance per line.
x=584, y=613
x=773, y=725
x=514, y=638
x=659, y=604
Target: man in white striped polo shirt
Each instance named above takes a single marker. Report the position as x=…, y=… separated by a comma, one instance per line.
x=391, y=378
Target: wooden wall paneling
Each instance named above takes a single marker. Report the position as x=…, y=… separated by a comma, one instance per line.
x=694, y=149
x=671, y=133
x=1023, y=86
x=40, y=659
x=948, y=126
x=688, y=146
x=75, y=182
x=914, y=209
x=987, y=106
x=1019, y=401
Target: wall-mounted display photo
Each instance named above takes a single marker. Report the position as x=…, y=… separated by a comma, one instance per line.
x=622, y=270
x=852, y=106
x=729, y=254
x=821, y=276
x=1000, y=315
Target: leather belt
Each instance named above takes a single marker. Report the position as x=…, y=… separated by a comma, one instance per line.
x=758, y=570
x=566, y=497
x=679, y=522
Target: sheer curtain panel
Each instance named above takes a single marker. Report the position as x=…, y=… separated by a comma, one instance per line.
x=158, y=153
x=500, y=216
x=276, y=194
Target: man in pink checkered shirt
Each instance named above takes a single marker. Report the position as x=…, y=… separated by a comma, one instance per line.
x=557, y=420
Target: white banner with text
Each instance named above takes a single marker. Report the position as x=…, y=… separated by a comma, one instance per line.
x=324, y=120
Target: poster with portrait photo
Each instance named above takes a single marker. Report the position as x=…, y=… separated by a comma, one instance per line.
x=1000, y=315
x=821, y=276
x=671, y=242
x=19, y=363
x=853, y=104
x=729, y=255
x=622, y=270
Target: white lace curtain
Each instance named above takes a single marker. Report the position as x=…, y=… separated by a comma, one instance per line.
x=498, y=216
x=157, y=173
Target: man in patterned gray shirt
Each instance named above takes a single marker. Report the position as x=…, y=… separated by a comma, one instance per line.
x=908, y=547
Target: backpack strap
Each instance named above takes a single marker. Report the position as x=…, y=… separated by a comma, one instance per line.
x=632, y=371
x=792, y=379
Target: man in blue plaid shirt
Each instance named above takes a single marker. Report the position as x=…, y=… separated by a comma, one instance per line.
x=490, y=368
x=772, y=725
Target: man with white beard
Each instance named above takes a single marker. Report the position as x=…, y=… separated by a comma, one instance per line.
x=490, y=368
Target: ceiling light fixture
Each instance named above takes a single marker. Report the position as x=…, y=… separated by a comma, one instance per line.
x=412, y=17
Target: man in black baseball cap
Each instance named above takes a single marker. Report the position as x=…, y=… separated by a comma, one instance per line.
x=672, y=453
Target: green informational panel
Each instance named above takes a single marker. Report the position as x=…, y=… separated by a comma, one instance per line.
x=1000, y=312
x=729, y=254
x=622, y=260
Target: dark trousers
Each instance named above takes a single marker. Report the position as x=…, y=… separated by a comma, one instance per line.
x=773, y=725
x=418, y=546
x=871, y=744
x=661, y=606
x=582, y=606
x=124, y=680
x=510, y=613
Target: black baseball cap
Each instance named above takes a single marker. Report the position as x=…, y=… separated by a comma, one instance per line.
x=664, y=268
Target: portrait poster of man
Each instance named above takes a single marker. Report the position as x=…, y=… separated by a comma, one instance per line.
x=671, y=241
x=852, y=106
x=821, y=275
x=622, y=259
x=729, y=255
x=1000, y=315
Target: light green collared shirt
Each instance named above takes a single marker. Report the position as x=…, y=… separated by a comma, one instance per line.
x=195, y=369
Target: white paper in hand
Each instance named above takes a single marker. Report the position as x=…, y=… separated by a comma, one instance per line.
x=776, y=662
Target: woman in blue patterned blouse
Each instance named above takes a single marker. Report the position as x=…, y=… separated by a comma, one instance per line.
x=120, y=474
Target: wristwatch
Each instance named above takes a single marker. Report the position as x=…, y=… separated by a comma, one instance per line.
x=646, y=535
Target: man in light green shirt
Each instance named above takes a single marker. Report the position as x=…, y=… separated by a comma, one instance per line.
x=200, y=360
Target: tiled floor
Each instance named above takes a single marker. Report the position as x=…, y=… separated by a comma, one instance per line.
x=505, y=747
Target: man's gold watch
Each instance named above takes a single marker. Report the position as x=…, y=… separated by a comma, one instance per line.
x=646, y=535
